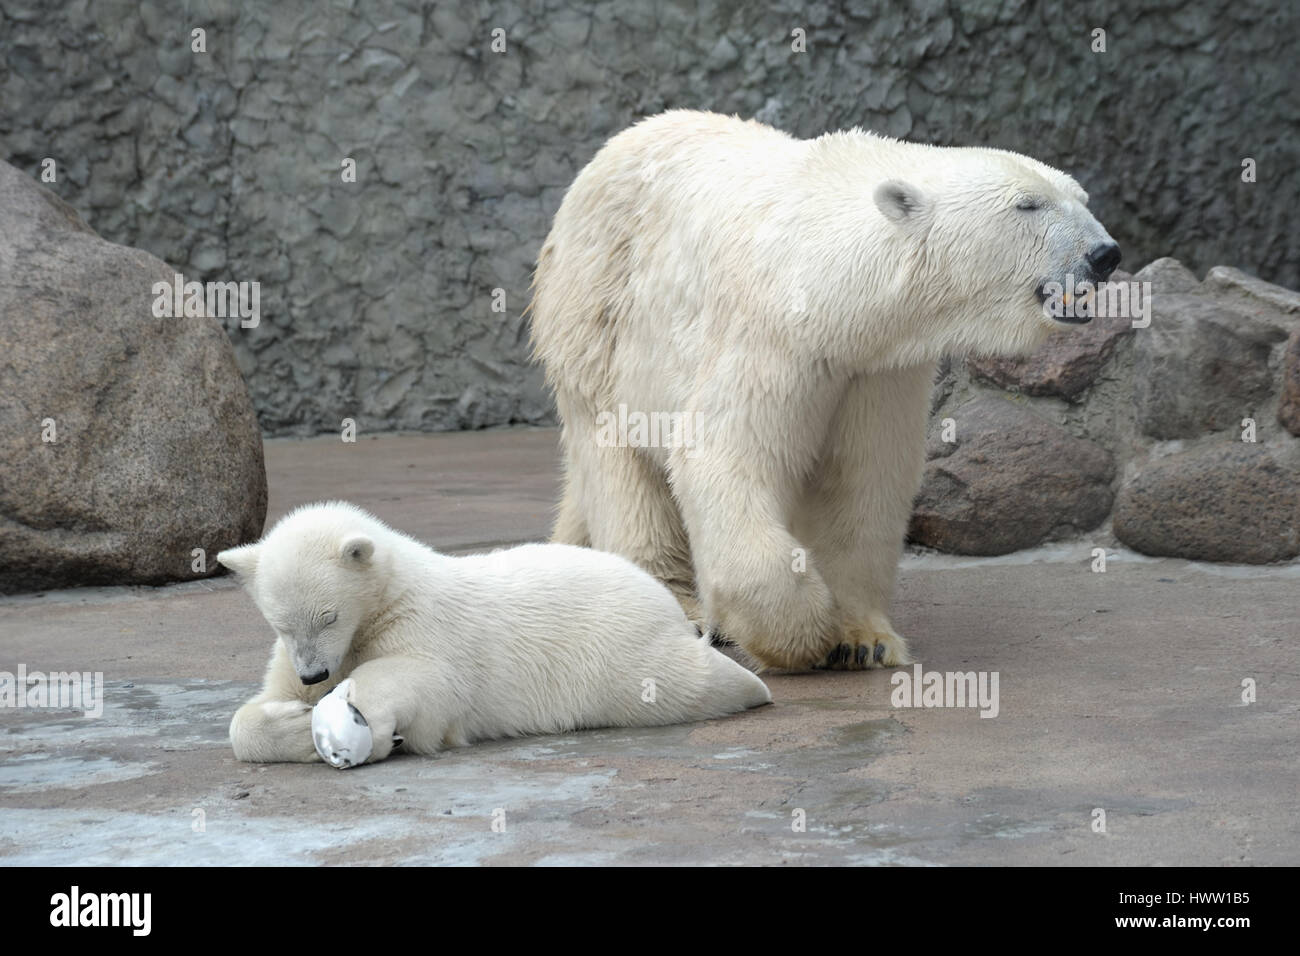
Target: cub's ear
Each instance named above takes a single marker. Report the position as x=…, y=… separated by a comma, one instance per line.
x=901, y=203
x=241, y=560
x=356, y=550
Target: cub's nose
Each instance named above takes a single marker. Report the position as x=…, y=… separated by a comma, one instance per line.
x=314, y=678
x=1104, y=258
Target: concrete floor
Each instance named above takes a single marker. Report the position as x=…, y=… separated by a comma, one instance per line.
x=1119, y=691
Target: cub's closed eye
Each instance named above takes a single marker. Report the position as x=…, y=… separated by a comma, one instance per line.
x=1029, y=205
x=329, y=617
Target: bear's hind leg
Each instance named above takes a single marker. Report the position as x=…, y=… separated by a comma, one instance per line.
x=628, y=507
x=570, y=525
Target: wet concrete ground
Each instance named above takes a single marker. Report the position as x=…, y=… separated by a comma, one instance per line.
x=1119, y=692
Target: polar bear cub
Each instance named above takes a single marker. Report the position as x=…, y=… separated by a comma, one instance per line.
x=381, y=638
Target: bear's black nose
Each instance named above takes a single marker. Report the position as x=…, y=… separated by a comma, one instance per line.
x=1104, y=258
x=315, y=678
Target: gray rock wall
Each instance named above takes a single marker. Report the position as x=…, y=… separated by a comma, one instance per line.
x=377, y=296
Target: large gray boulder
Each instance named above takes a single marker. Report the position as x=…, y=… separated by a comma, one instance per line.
x=1168, y=275
x=1010, y=480
x=1237, y=502
x=1276, y=302
x=156, y=449
x=1202, y=366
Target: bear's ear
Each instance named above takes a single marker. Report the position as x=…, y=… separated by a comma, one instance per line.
x=241, y=560
x=900, y=202
x=356, y=550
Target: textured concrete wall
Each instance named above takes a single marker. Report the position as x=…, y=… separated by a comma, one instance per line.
x=377, y=295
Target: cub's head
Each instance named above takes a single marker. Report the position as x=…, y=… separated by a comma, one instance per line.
x=316, y=577
x=1001, y=242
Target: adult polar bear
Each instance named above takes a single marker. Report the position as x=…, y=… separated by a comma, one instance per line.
x=790, y=300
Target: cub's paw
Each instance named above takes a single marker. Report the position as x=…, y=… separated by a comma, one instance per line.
x=339, y=731
x=862, y=646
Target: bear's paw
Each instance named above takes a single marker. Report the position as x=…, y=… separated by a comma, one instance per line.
x=866, y=645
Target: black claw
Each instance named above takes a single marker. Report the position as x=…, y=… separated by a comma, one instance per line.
x=861, y=655
x=880, y=653
x=837, y=655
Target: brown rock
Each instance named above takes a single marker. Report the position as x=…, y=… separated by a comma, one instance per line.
x=157, y=451
x=1288, y=409
x=1266, y=296
x=1065, y=365
x=1237, y=502
x=1012, y=481
x=1201, y=366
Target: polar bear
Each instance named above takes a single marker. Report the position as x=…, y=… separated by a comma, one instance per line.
x=387, y=637
x=767, y=313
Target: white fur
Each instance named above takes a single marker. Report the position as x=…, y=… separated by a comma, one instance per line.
x=445, y=651
x=791, y=298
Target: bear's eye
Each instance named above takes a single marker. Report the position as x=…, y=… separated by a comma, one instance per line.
x=1029, y=205
x=329, y=617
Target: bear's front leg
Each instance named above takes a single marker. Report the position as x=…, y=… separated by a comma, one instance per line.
x=275, y=726
x=855, y=512
x=757, y=582
x=273, y=731
x=379, y=704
